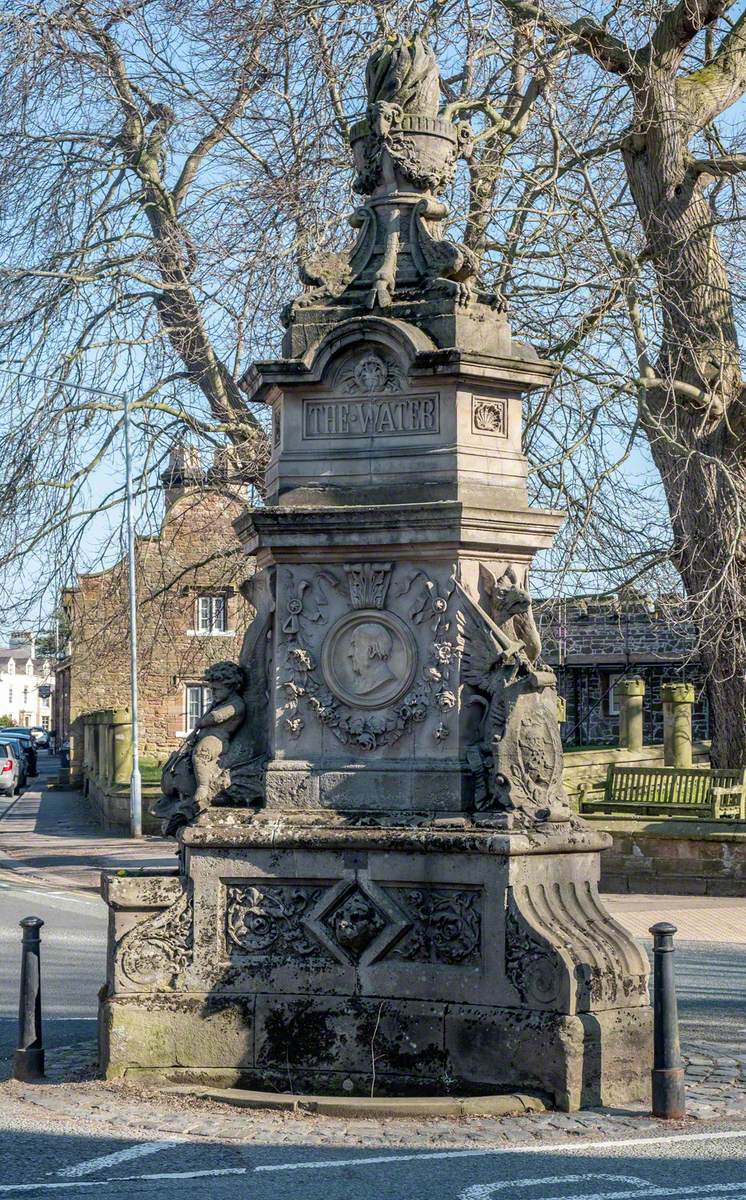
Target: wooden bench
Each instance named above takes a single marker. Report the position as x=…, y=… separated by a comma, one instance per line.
x=674, y=791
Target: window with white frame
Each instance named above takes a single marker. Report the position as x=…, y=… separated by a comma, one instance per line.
x=25, y=695
x=611, y=702
x=211, y=614
x=11, y=666
x=10, y=695
x=198, y=700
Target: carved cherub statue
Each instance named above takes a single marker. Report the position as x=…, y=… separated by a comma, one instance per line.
x=189, y=778
x=517, y=763
x=216, y=726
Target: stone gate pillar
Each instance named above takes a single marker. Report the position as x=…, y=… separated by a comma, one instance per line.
x=631, y=693
x=678, y=699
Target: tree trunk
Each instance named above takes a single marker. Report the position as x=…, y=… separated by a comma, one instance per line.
x=698, y=446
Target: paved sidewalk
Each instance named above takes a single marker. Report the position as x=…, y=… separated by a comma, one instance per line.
x=713, y=919
x=49, y=835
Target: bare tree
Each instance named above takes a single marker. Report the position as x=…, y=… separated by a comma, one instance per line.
x=691, y=389
x=166, y=165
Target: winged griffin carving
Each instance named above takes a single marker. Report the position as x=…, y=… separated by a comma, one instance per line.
x=517, y=762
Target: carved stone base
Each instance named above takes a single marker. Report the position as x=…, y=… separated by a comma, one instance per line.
x=577, y=1061
x=336, y=959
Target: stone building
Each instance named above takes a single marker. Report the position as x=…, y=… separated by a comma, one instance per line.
x=594, y=641
x=26, y=686
x=191, y=613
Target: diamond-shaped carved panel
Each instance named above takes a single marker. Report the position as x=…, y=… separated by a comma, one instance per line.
x=356, y=920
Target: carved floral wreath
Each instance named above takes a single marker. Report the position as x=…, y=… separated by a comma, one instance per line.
x=370, y=730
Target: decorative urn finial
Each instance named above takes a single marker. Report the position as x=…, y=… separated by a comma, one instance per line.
x=405, y=154
x=402, y=143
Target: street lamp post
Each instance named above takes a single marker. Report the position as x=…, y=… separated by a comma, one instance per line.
x=135, y=777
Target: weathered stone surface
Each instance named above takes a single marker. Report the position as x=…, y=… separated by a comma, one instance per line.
x=678, y=700
x=576, y=1061
x=324, y=1034
x=171, y=1030
x=579, y=1061
x=408, y=905
x=677, y=857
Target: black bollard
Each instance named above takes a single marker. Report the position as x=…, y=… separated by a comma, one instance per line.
x=28, y=1064
x=669, y=1099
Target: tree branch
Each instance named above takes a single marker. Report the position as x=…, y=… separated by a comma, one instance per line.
x=682, y=23
x=586, y=35
x=717, y=168
x=220, y=129
x=717, y=85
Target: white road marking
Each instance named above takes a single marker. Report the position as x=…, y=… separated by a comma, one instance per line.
x=118, y=1156
x=71, y=897
x=5, y=1188
x=543, y=1148
x=693, y=1191
x=483, y=1191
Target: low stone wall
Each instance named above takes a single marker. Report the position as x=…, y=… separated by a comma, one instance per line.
x=658, y=855
x=675, y=857
x=106, y=769
x=111, y=806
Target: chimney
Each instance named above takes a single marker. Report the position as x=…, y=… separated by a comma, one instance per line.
x=184, y=471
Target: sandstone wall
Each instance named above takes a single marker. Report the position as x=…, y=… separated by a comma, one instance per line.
x=674, y=857
x=196, y=552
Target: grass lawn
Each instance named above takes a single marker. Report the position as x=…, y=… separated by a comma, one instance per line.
x=150, y=770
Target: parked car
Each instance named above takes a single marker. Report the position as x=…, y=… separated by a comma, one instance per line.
x=40, y=736
x=24, y=737
x=9, y=770
x=21, y=754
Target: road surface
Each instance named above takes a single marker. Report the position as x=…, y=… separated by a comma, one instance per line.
x=73, y=960
x=693, y=1166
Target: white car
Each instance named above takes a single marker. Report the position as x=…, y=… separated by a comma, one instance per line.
x=9, y=770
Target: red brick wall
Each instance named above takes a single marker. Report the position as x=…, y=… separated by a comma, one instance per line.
x=196, y=552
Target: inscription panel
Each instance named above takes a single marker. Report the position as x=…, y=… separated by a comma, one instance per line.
x=379, y=416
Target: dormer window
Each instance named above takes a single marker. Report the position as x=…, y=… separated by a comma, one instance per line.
x=211, y=615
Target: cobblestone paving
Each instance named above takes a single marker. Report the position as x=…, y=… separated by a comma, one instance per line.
x=716, y=1090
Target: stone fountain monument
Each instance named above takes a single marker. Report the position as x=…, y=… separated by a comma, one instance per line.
x=382, y=887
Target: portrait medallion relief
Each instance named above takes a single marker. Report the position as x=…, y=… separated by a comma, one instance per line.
x=369, y=659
